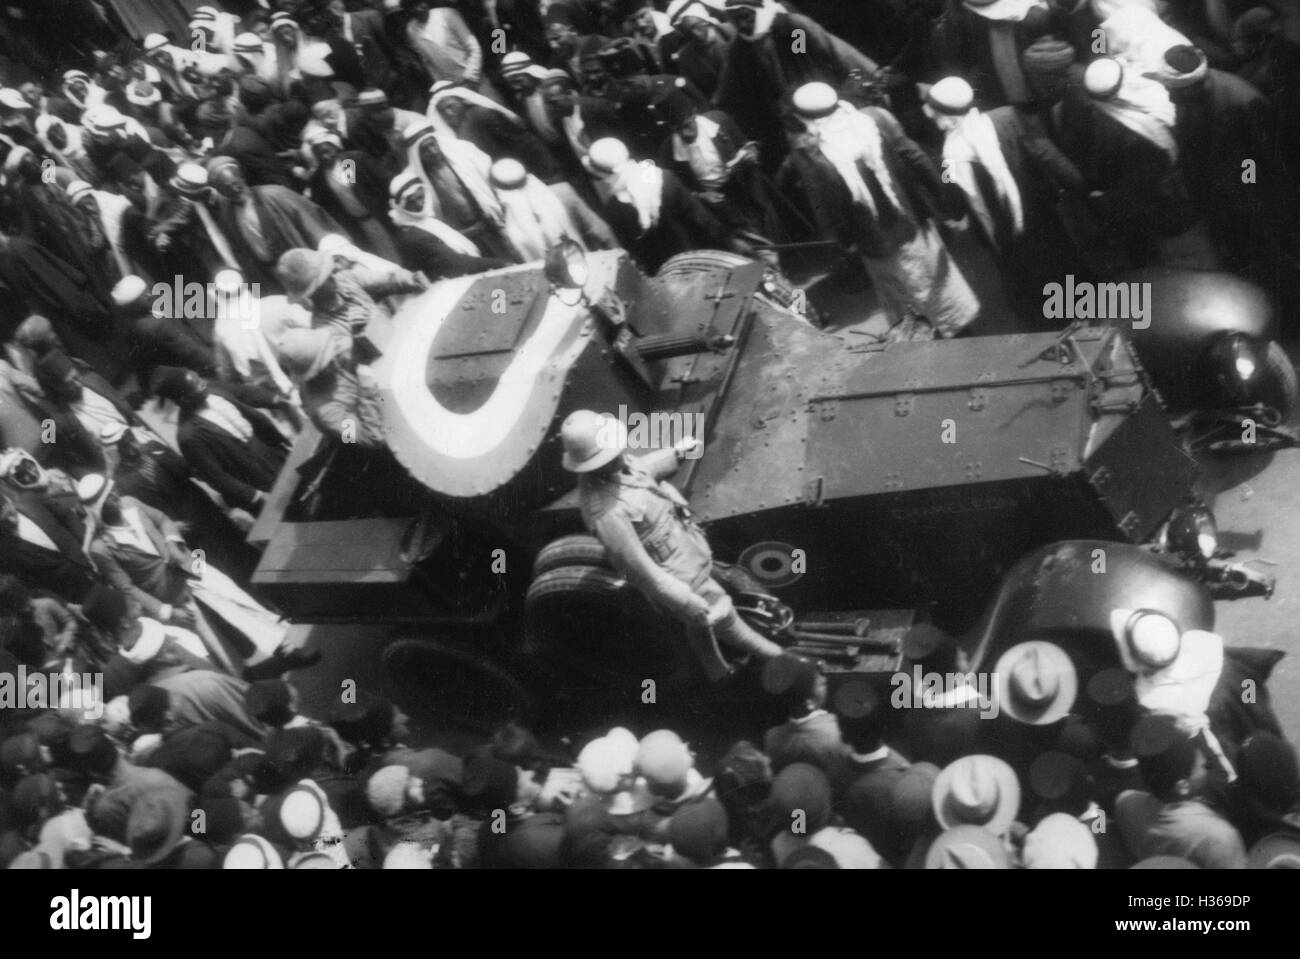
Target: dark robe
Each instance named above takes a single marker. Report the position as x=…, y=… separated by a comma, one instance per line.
x=423, y=252
x=235, y=469
x=67, y=570
x=963, y=47
x=256, y=141
x=749, y=201
x=170, y=341
x=370, y=189
x=684, y=224
x=500, y=137
x=761, y=74
x=1144, y=197
x=810, y=176
x=288, y=221
x=1220, y=123
x=55, y=288
x=159, y=477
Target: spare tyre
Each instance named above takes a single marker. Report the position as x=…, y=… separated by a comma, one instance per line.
x=595, y=625
x=578, y=549
x=447, y=682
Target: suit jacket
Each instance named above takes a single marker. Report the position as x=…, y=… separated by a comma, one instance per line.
x=77, y=450
x=371, y=188
x=684, y=224
x=151, y=581
x=235, y=469
x=371, y=44
x=66, y=570
x=171, y=341
x=814, y=739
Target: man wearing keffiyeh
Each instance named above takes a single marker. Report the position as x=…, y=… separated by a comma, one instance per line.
x=700, y=47
x=870, y=187
x=774, y=52
x=651, y=211
x=712, y=156
x=1008, y=174
x=457, y=191
x=983, y=40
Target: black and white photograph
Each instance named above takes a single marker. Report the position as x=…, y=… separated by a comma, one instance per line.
x=630, y=434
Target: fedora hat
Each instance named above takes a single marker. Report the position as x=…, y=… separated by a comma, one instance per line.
x=977, y=790
x=1278, y=851
x=967, y=847
x=1036, y=682
x=156, y=825
x=1060, y=841
x=591, y=440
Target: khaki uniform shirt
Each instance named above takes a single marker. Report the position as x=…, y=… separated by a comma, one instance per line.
x=635, y=516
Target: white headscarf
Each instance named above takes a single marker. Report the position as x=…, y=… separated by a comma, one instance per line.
x=426, y=221
x=639, y=184
x=691, y=8
x=469, y=163
x=75, y=149
x=1012, y=10
x=1138, y=38
x=112, y=208
x=1107, y=8
x=95, y=95
x=442, y=93
x=1143, y=105
x=847, y=136
x=535, y=219
x=763, y=18
x=972, y=137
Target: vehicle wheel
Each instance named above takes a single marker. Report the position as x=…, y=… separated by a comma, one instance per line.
x=597, y=626
x=444, y=681
x=576, y=550
x=1283, y=391
x=697, y=261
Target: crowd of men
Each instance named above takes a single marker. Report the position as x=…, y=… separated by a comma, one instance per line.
x=305, y=166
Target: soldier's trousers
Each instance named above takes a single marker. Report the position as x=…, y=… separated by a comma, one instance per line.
x=730, y=630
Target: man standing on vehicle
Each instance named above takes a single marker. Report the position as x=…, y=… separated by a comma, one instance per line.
x=646, y=528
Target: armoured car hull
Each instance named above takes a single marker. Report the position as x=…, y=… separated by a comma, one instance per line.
x=843, y=475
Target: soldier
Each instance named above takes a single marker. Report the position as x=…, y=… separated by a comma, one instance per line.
x=646, y=527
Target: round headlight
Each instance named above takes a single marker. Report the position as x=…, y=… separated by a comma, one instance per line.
x=567, y=271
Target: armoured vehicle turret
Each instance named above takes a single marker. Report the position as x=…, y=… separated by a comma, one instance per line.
x=864, y=484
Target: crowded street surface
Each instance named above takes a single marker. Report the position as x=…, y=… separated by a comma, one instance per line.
x=632, y=434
